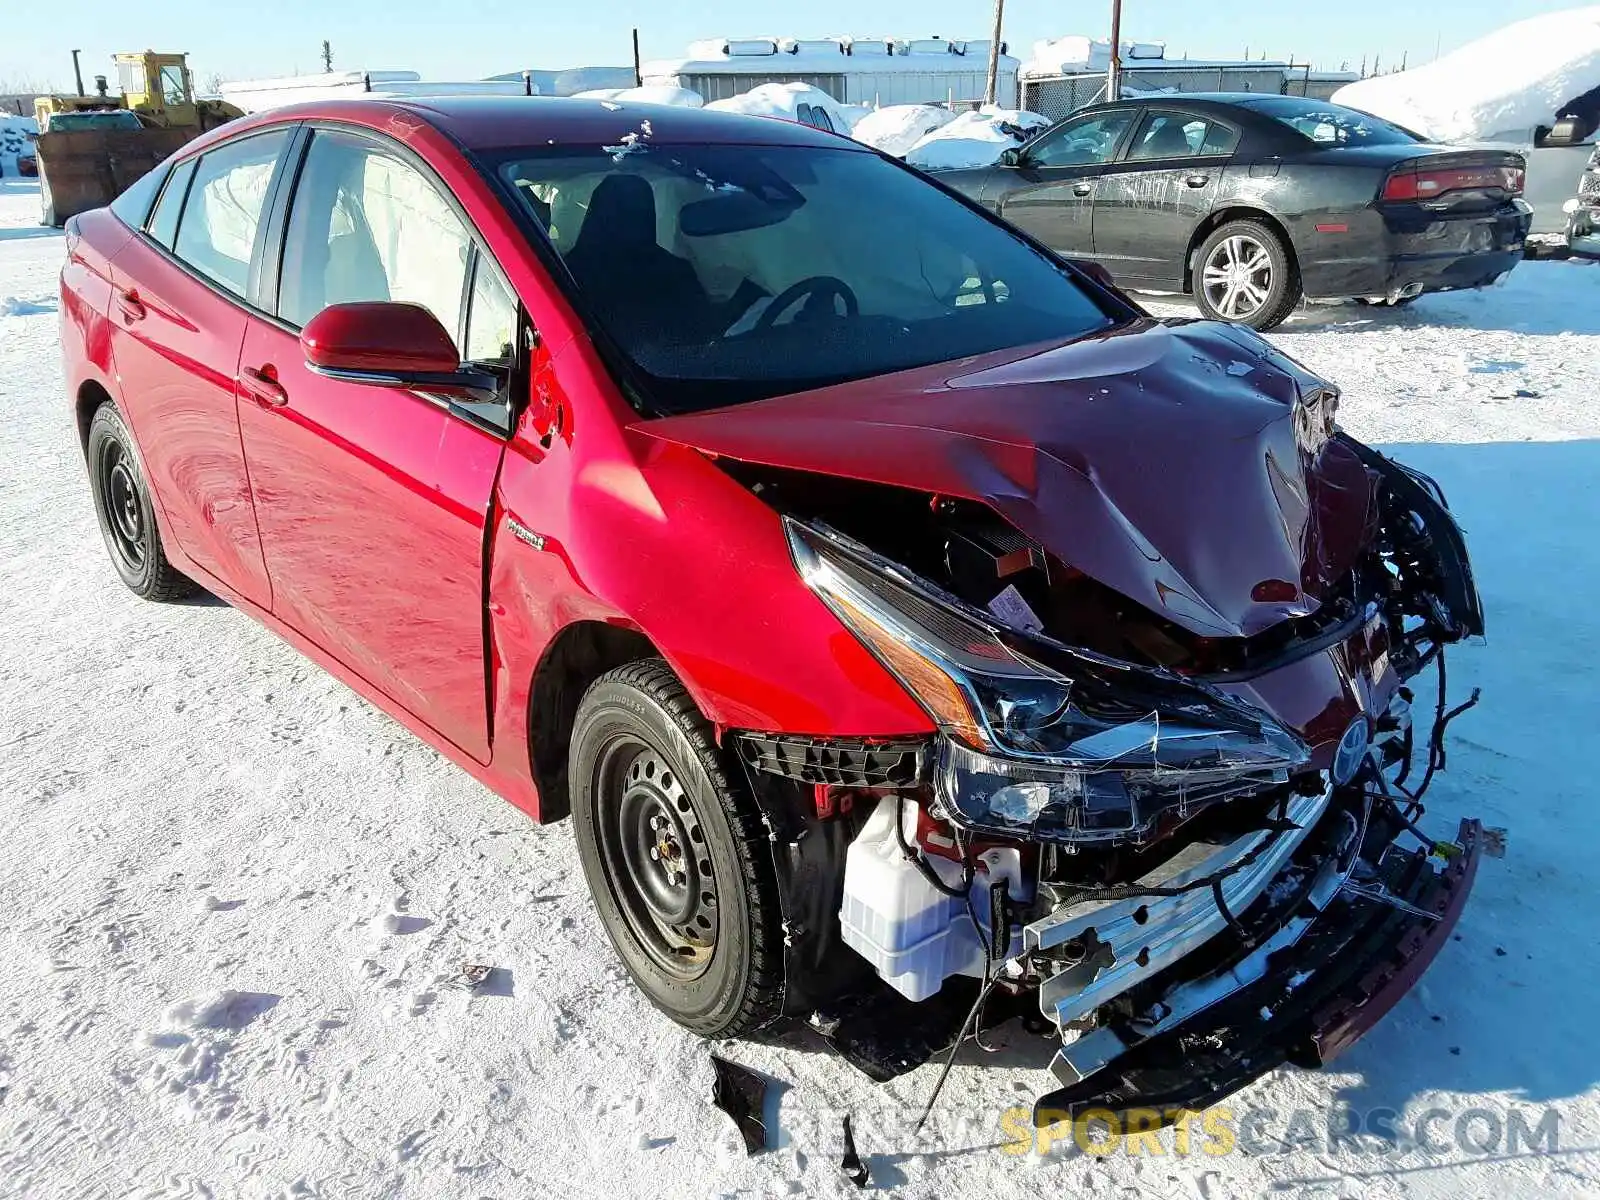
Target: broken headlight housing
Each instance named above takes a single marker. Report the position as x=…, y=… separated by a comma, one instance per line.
x=1043, y=740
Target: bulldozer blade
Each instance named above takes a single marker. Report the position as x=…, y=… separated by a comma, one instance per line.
x=88, y=168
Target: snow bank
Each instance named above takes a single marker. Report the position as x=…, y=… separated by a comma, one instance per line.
x=896, y=128
x=975, y=139
x=676, y=97
x=1497, y=88
x=784, y=100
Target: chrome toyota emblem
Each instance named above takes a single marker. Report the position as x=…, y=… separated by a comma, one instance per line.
x=1351, y=752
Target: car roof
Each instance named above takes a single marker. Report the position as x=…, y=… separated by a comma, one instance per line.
x=506, y=122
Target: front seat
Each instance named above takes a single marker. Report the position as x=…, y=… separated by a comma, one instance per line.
x=621, y=267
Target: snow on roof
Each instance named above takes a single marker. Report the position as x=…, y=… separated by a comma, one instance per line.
x=826, y=56
x=569, y=81
x=1497, y=88
x=975, y=139
x=322, y=79
x=1078, y=54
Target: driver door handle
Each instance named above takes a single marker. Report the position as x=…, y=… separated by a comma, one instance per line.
x=1082, y=189
x=1198, y=181
x=262, y=387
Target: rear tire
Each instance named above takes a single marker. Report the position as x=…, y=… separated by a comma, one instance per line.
x=1244, y=273
x=127, y=515
x=675, y=853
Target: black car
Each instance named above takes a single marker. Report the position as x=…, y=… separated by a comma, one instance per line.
x=1252, y=202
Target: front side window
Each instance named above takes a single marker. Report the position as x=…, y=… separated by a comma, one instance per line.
x=728, y=273
x=217, y=232
x=1085, y=141
x=365, y=225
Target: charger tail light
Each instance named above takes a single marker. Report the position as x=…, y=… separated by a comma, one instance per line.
x=1423, y=184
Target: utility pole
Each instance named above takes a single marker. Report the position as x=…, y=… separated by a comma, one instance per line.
x=327, y=55
x=992, y=87
x=638, y=72
x=1114, y=67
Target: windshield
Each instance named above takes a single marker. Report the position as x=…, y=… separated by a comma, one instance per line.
x=727, y=273
x=1331, y=124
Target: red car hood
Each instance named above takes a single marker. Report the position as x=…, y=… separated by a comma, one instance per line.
x=1175, y=464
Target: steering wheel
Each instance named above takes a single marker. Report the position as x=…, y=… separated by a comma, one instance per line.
x=817, y=286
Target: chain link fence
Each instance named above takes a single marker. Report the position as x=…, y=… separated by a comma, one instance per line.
x=1062, y=95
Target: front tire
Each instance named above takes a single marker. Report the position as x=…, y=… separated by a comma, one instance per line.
x=127, y=515
x=675, y=853
x=1245, y=273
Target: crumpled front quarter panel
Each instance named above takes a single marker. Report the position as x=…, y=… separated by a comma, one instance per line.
x=654, y=537
x=1171, y=463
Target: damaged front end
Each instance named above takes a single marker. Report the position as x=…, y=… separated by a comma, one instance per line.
x=1197, y=855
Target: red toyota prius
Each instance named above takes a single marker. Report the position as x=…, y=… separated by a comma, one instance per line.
x=914, y=630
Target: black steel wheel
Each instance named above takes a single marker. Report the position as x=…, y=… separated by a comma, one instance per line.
x=1244, y=273
x=653, y=849
x=675, y=853
x=127, y=517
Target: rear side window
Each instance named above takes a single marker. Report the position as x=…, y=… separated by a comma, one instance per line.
x=164, y=221
x=217, y=232
x=366, y=225
x=1180, y=135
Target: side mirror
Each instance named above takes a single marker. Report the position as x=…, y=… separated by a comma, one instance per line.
x=385, y=343
x=1011, y=158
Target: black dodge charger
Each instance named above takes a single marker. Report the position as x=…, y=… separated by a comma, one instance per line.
x=1253, y=202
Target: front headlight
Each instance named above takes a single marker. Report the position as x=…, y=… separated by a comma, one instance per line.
x=1056, y=742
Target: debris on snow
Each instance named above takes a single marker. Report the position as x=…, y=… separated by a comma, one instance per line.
x=742, y=1094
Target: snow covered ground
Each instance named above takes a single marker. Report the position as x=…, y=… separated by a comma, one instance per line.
x=238, y=901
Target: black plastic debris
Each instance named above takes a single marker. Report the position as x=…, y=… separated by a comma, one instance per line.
x=742, y=1094
x=854, y=1169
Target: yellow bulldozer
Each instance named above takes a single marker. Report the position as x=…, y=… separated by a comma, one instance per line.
x=91, y=147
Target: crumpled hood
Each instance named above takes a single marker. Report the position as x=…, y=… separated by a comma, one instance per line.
x=1187, y=466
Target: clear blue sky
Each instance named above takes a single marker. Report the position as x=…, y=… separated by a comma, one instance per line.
x=468, y=39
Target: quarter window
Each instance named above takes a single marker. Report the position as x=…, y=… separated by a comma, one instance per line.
x=365, y=225
x=1082, y=142
x=164, y=221
x=216, y=234
x=491, y=318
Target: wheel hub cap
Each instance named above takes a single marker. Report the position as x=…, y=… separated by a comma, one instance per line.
x=1237, y=278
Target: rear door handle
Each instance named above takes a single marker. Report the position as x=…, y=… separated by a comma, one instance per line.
x=1198, y=181
x=1082, y=189
x=264, y=389
x=130, y=306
